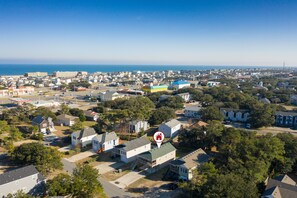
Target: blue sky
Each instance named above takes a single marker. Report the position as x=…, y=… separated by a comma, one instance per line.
x=198, y=32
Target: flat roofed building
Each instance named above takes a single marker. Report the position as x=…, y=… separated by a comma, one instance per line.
x=156, y=88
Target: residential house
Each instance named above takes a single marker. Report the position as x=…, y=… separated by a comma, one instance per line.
x=105, y=142
x=235, y=115
x=178, y=84
x=44, y=124
x=83, y=137
x=129, y=150
x=265, y=100
x=184, y=167
x=91, y=115
x=293, y=99
x=286, y=119
x=138, y=125
x=193, y=111
x=212, y=83
x=185, y=96
x=110, y=95
x=66, y=120
x=170, y=128
x=280, y=187
x=156, y=158
x=26, y=179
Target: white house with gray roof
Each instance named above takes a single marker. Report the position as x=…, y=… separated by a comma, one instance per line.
x=171, y=128
x=193, y=111
x=105, y=142
x=27, y=179
x=156, y=158
x=83, y=137
x=185, y=166
x=138, y=125
x=129, y=150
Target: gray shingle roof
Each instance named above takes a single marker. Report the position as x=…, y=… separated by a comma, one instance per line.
x=38, y=120
x=286, y=113
x=286, y=190
x=192, y=159
x=19, y=174
x=105, y=137
x=85, y=133
x=172, y=123
x=158, y=152
x=66, y=117
x=133, y=144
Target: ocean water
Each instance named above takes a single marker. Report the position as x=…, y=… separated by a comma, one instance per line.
x=20, y=69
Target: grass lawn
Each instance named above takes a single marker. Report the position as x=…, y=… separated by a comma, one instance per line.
x=89, y=123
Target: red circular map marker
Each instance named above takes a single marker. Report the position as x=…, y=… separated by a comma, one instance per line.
x=159, y=137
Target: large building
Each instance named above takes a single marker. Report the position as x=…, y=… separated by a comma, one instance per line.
x=110, y=95
x=156, y=88
x=26, y=179
x=286, y=119
x=235, y=115
x=178, y=84
x=69, y=74
x=36, y=74
x=14, y=92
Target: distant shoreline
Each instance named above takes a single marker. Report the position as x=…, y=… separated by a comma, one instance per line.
x=20, y=69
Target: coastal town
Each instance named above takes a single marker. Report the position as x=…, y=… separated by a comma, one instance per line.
x=59, y=130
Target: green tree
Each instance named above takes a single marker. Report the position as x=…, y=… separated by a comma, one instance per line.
x=44, y=158
x=261, y=115
x=229, y=186
x=211, y=113
x=77, y=126
x=61, y=185
x=160, y=115
x=85, y=182
x=174, y=102
x=46, y=112
x=78, y=113
x=19, y=194
x=4, y=127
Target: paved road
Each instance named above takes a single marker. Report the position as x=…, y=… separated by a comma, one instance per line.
x=113, y=191
x=68, y=166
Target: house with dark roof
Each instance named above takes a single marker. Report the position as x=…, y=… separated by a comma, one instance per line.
x=184, y=167
x=66, y=120
x=44, y=124
x=280, y=187
x=129, y=150
x=156, y=158
x=91, y=115
x=170, y=128
x=286, y=119
x=83, y=137
x=105, y=142
x=26, y=179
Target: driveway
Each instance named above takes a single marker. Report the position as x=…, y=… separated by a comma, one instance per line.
x=65, y=149
x=113, y=191
x=128, y=179
x=108, y=166
x=81, y=156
